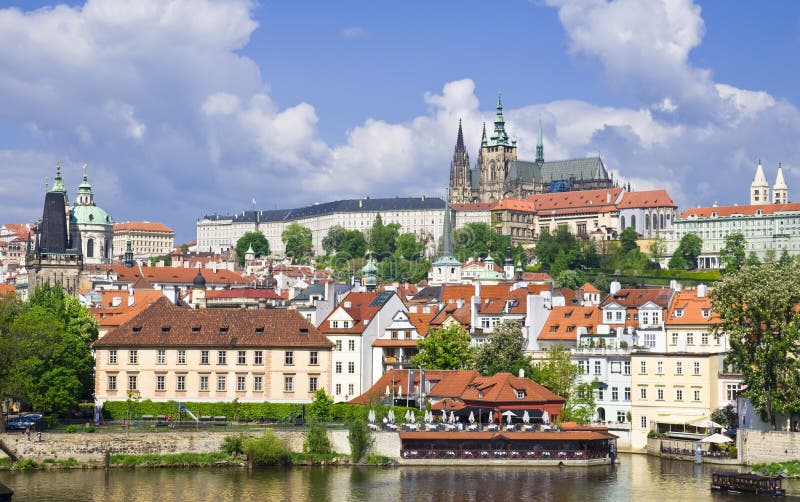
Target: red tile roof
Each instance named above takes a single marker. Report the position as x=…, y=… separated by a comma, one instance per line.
x=563, y=322
x=498, y=305
x=514, y=205
x=503, y=387
x=580, y=201
x=589, y=288
x=645, y=199
x=636, y=297
x=142, y=226
x=472, y=206
x=748, y=210
x=7, y=289
x=578, y=435
x=537, y=277
x=177, y=275
x=20, y=229
x=166, y=325
x=692, y=307
x=241, y=293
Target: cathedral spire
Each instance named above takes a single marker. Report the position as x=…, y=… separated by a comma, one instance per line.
x=483, y=137
x=460, y=184
x=499, y=137
x=540, y=144
x=460, y=140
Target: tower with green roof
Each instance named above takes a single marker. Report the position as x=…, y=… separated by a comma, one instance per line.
x=497, y=155
x=447, y=268
x=93, y=224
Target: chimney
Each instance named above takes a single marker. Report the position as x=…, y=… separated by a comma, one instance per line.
x=701, y=290
x=521, y=373
x=460, y=303
x=608, y=197
x=614, y=287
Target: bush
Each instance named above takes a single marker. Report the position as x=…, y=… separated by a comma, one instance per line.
x=733, y=452
x=24, y=465
x=268, y=449
x=317, y=439
x=378, y=460
x=71, y=429
x=89, y=429
x=360, y=438
x=321, y=407
x=233, y=445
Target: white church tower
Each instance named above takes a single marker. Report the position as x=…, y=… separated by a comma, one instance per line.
x=780, y=192
x=759, y=189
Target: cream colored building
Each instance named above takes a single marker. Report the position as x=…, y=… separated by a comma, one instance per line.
x=147, y=239
x=170, y=353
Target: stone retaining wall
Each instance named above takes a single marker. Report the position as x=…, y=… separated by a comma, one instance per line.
x=763, y=447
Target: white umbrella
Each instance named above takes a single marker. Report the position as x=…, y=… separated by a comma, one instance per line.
x=491, y=419
x=391, y=415
x=452, y=417
x=371, y=416
x=471, y=417
x=525, y=417
x=399, y=391
x=387, y=390
x=412, y=417
x=444, y=415
x=408, y=415
x=716, y=439
x=545, y=417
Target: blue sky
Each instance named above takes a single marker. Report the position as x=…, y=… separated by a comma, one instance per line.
x=186, y=107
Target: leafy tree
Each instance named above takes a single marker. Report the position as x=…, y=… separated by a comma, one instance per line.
x=402, y=270
x=332, y=242
x=685, y=256
x=581, y=405
x=354, y=244
x=166, y=258
x=360, y=438
x=184, y=248
x=504, y=351
x=757, y=307
x=382, y=238
x=785, y=259
x=317, y=440
x=752, y=259
x=590, y=257
x=732, y=255
x=478, y=239
x=446, y=348
x=727, y=416
x=321, y=406
x=627, y=240
x=657, y=248
x=571, y=279
x=408, y=247
x=557, y=372
x=298, y=242
x=257, y=240
x=769, y=256
x=268, y=449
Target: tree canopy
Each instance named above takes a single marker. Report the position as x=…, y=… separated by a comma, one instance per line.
x=504, y=351
x=732, y=255
x=479, y=240
x=382, y=238
x=257, y=240
x=447, y=348
x=758, y=313
x=685, y=256
x=332, y=242
x=298, y=242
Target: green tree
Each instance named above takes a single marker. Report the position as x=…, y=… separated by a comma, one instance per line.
x=297, y=240
x=479, y=240
x=257, y=240
x=758, y=313
x=408, y=247
x=685, y=256
x=627, y=240
x=571, y=279
x=354, y=244
x=560, y=265
x=332, y=242
x=317, y=440
x=382, y=238
x=581, y=405
x=504, y=351
x=732, y=255
x=446, y=348
x=550, y=246
x=785, y=259
x=752, y=259
x=321, y=407
x=360, y=438
x=657, y=249
x=557, y=372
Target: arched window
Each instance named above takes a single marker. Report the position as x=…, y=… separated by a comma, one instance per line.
x=90, y=248
x=622, y=223
x=646, y=222
x=655, y=221
x=662, y=220
x=633, y=221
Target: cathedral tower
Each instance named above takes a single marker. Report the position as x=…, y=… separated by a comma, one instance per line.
x=759, y=189
x=780, y=192
x=495, y=160
x=460, y=186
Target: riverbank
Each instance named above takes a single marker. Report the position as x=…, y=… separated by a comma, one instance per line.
x=788, y=469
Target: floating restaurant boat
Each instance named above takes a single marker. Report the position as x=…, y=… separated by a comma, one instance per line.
x=747, y=483
x=545, y=448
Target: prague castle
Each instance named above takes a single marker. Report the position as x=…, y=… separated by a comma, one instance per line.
x=498, y=173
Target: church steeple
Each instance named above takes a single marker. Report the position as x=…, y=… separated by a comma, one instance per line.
x=780, y=192
x=540, y=145
x=483, y=137
x=446, y=269
x=85, y=196
x=58, y=181
x=499, y=137
x=460, y=185
x=759, y=189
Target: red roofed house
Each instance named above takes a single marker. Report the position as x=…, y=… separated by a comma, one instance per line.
x=395, y=347
x=639, y=313
x=353, y=326
x=650, y=212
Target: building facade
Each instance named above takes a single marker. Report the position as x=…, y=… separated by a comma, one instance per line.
x=147, y=239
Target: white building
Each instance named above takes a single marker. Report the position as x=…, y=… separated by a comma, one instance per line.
x=147, y=239
x=95, y=226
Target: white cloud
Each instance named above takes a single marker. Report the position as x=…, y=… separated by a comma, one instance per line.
x=353, y=32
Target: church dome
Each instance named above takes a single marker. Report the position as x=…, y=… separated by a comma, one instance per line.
x=199, y=281
x=89, y=215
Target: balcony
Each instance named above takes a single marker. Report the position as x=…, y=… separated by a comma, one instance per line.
x=601, y=351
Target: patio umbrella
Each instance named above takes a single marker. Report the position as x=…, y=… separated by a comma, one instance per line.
x=452, y=417
x=508, y=414
x=412, y=417
x=391, y=415
x=471, y=417
x=387, y=391
x=716, y=439
x=545, y=417
x=525, y=417
x=444, y=415
x=399, y=391
x=491, y=418
x=371, y=416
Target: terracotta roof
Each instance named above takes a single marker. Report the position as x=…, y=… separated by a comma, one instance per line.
x=462, y=315
x=400, y=378
x=479, y=264
x=20, y=229
x=636, y=297
x=360, y=309
x=142, y=226
x=6, y=289
x=589, y=288
x=647, y=198
x=177, y=275
x=535, y=289
x=692, y=308
x=453, y=292
x=498, y=305
x=591, y=200
x=503, y=387
x=748, y=210
x=241, y=293
x=166, y=325
x=394, y=343
x=472, y=206
x=421, y=321
x=514, y=205
x=563, y=322
x=537, y=277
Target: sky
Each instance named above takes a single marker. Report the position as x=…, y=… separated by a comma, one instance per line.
x=182, y=108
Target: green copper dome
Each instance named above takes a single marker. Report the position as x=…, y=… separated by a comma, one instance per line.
x=89, y=215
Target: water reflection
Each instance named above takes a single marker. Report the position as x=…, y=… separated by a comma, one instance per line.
x=638, y=477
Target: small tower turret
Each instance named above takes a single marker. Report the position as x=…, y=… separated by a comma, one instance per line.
x=759, y=189
x=540, y=145
x=780, y=192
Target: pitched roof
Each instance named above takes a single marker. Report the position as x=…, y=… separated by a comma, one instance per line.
x=537, y=277
x=636, y=297
x=748, y=210
x=517, y=305
x=692, y=308
x=472, y=206
x=422, y=321
x=163, y=324
x=21, y=229
x=268, y=294
x=563, y=322
x=589, y=288
x=142, y=226
x=503, y=387
x=361, y=307
x=645, y=199
x=177, y=275
x=395, y=378
x=579, y=201
x=514, y=205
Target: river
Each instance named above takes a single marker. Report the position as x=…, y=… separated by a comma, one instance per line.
x=636, y=477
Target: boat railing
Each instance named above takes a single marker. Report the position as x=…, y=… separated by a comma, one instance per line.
x=500, y=454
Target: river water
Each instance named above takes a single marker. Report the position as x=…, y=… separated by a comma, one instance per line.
x=636, y=477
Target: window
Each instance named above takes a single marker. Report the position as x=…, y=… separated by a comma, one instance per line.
x=338, y=366
x=313, y=358
x=222, y=382
x=240, y=383
x=258, y=357
x=351, y=367
x=351, y=345
x=627, y=367
x=660, y=368
x=112, y=382
x=650, y=340
x=112, y=357
x=696, y=395
x=660, y=394
x=241, y=357
x=689, y=338
x=679, y=368
x=520, y=394
x=338, y=389
x=644, y=422
x=203, y=357
x=131, y=382
x=181, y=357
x=335, y=324
x=616, y=367
x=619, y=315
x=609, y=315
x=732, y=391
x=706, y=313
x=345, y=324
x=674, y=339
x=696, y=368
x=222, y=357
x=679, y=395
x=203, y=383
x=180, y=382
x=704, y=339
x=312, y=384
x=597, y=367
x=678, y=312
x=288, y=358
x=627, y=394
x=288, y=384
x=258, y=384
x=133, y=357
x=621, y=417
x=394, y=335
x=161, y=356
x=642, y=367
x=583, y=366
x=642, y=392
x=614, y=394
x=339, y=345
x=350, y=390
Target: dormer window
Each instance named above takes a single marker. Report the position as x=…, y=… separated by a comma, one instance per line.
x=520, y=394
x=480, y=394
x=706, y=313
x=335, y=324
x=345, y=324
x=223, y=329
x=678, y=312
